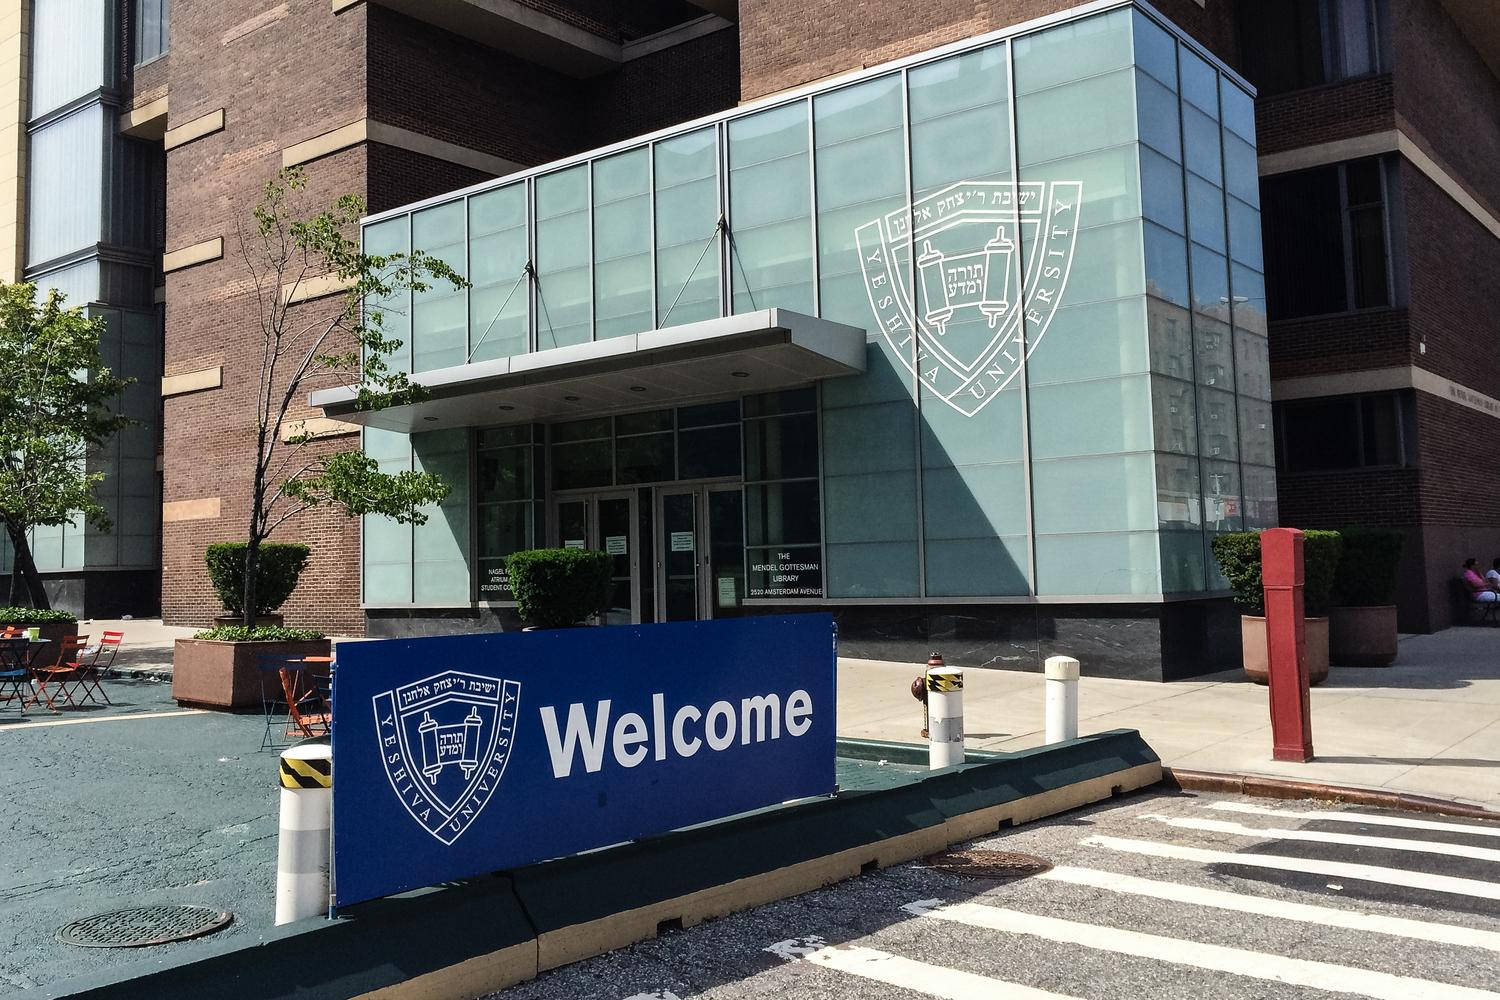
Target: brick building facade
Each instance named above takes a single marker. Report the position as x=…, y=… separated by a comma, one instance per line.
x=1378, y=128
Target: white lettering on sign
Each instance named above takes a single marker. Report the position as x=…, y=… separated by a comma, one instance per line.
x=755, y=720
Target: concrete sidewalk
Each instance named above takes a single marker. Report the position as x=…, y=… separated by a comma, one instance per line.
x=1429, y=725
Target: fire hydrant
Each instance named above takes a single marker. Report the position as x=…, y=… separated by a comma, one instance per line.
x=919, y=688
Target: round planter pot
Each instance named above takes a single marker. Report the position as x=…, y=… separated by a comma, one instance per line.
x=1362, y=637
x=1253, y=647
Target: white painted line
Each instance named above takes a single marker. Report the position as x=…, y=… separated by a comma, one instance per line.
x=1362, y=819
x=893, y=970
x=1211, y=957
x=1334, y=869
x=1327, y=916
x=1320, y=837
x=658, y=995
x=103, y=718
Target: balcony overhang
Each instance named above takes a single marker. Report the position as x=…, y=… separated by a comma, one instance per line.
x=746, y=353
x=519, y=29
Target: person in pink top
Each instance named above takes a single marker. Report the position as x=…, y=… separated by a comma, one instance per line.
x=1479, y=590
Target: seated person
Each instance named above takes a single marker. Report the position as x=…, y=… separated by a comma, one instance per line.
x=1479, y=590
x=1493, y=576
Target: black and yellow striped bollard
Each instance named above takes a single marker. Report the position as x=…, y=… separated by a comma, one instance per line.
x=304, y=845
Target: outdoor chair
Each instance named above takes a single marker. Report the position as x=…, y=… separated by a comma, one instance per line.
x=294, y=697
x=1485, y=612
x=60, y=679
x=15, y=671
x=86, y=667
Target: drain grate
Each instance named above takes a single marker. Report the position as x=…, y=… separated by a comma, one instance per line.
x=140, y=926
x=999, y=865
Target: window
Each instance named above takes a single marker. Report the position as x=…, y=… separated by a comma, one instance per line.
x=1344, y=432
x=152, y=29
x=1326, y=245
x=783, y=518
x=1291, y=44
x=508, y=486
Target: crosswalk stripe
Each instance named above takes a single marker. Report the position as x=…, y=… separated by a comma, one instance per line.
x=1210, y=957
x=904, y=973
x=1321, y=837
x=1327, y=916
x=1337, y=869
x=1363, y=819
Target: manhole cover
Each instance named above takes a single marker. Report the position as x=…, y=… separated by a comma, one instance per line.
x=989, y=864
x=140, y=926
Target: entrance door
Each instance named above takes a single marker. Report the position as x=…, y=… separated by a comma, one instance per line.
x=607, y=522
x=700, y=552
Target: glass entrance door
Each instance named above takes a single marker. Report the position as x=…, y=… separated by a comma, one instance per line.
x=700, y=552
x=607, y=522
x=678, y=571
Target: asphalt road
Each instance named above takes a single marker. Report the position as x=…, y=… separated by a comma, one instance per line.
x=1154, y=896
x=129, y=806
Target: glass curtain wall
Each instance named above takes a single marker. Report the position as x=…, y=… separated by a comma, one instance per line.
x=1052, y=241
x=90, y=188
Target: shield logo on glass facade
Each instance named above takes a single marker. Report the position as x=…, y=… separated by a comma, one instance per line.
x=945, y=281
x=444, y=741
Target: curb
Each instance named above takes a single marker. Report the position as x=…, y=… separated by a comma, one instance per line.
x=1257, y=786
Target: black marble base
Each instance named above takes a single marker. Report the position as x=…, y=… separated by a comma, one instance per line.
x=1138, y=641
x=105, y=593
x=1159, y=642
x=407, y=623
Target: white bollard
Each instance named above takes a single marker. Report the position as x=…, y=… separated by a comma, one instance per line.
x=945, y=715
x=1062, y=698
x=304, y=844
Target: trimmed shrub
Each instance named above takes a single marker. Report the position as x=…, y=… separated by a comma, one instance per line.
x=1369, y=568
x=1320, y=564
x=1238, y=555
x=34, y=616
x=556, y=588
x=261, y=633
x=278, y=568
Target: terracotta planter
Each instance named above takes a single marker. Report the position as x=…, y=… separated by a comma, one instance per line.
x=1362, y=637
x=1253, y=646
x=211, y=674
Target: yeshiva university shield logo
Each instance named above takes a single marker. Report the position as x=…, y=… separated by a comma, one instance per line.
x=954, y=319
x=444, y=741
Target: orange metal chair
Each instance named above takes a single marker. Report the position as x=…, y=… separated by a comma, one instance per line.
x=63, y=675
x=90, y=662
x=306, y=700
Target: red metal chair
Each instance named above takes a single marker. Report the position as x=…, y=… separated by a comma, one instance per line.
x=307, y=703
x=90, y=662
x=62, y=675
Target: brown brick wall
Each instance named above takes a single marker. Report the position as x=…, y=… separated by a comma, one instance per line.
x=281, y=77
x=1454, y=269
x=399, y=177
x=1324, y=114
x=1448, y=95
x=1371, y=338
x=438, y=84
x=786, y=43
x=678, y=84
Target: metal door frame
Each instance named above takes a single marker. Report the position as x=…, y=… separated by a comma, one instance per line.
x=593, y=540
x=659, y=566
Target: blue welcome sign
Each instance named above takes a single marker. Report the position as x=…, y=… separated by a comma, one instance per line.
x=466, y=754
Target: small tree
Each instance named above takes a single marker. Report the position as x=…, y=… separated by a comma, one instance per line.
x=55, y=397
x=308, y=347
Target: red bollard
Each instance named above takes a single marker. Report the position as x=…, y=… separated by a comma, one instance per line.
x=1286, y=644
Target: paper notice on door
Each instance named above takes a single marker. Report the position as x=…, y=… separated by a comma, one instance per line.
x=682, y=541
x=727, y=596
x=615, y=545
x=573, y=543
